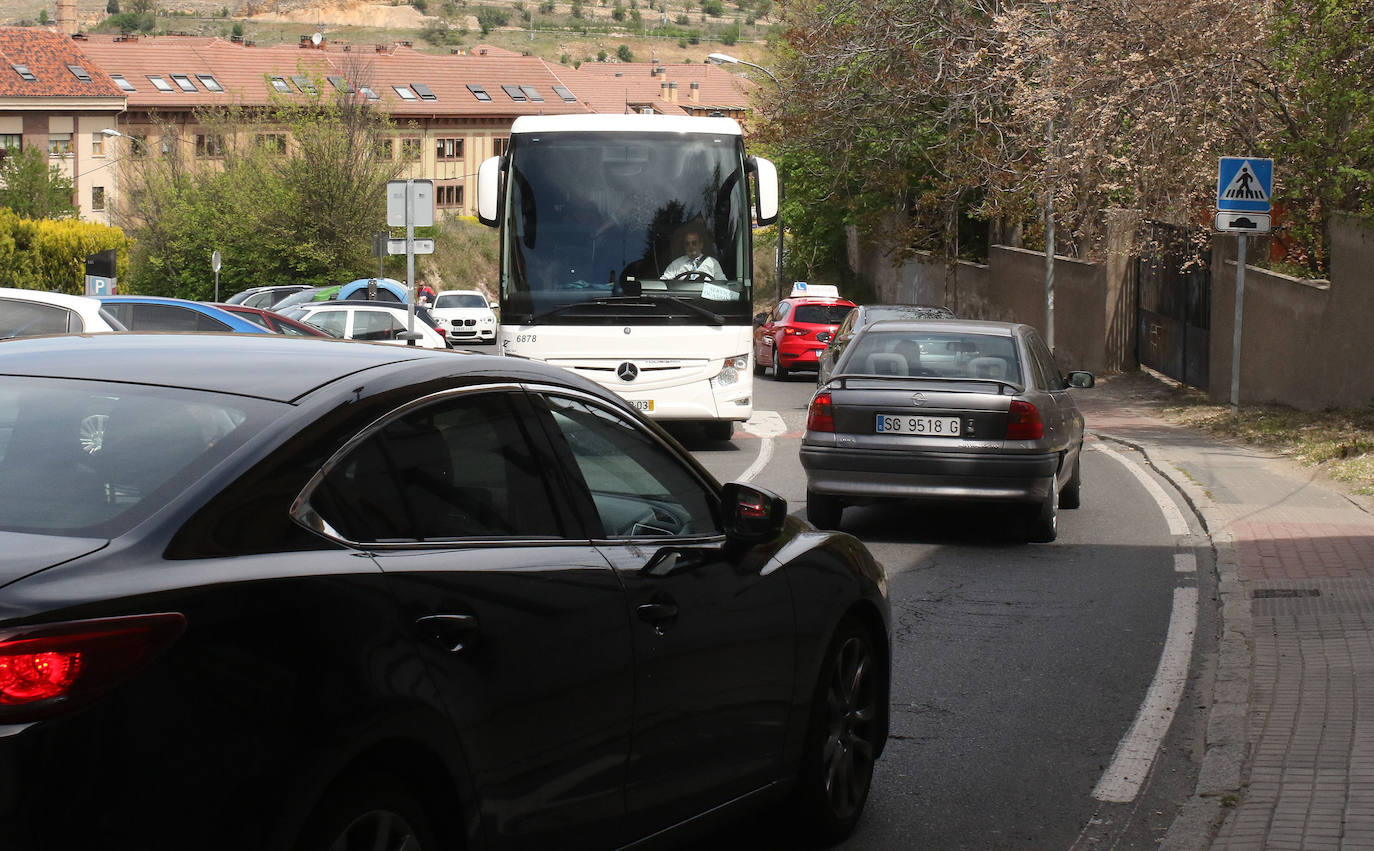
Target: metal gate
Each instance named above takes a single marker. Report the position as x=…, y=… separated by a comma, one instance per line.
x=1173, y=305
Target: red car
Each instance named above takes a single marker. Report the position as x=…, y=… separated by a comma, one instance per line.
x=796, y=332
x=274, y=322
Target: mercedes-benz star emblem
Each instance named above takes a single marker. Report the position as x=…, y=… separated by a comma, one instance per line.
x=919, y=399
x=627, y=371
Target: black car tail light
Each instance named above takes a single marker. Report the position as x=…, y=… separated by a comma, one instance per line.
x=820, y=414
x=1023, y=421
x=50, y=668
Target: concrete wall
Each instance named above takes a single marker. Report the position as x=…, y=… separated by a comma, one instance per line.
x=1303, y=343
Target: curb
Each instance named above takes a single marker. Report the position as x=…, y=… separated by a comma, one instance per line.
x=1226, y=746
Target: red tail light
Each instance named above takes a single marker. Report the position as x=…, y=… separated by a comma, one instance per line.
x=798, y=332
x=48, y=668
x=820, y=415
x=1023, y=422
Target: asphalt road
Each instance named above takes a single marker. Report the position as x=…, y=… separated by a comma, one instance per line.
x=1018, y=668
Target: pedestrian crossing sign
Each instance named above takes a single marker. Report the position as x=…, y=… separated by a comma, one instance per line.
x=1244, y=184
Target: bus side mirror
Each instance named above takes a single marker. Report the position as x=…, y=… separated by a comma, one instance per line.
x=489, y=191
x=766, y=182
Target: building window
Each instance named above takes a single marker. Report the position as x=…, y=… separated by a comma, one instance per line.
x=448, y=195
x=97, y=144
x=123, y=83
x=11, y=142
x=209, y=82
x=272, y=143
x=404, y=92
x=168, y=144
x=138, y=145
x=59, y=144
x=410, y=149
x=479, y=92
x=160, y=84
x=184, y=83
x=279, y=84
x=97, y=198
x=498, y=146
x=386, y=150
x=209, y=145
x=448, y=149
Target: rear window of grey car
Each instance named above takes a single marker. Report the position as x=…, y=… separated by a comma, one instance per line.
x=945, y=355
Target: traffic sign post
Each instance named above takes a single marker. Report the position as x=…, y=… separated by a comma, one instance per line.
x=410, y=204
x=215, y=264
x=1244, y=187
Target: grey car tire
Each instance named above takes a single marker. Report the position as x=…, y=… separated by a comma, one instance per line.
x=823, y=510
x=1072, y=494
x=1043, y=518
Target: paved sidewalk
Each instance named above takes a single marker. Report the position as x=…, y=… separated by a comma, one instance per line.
x=1289, y=760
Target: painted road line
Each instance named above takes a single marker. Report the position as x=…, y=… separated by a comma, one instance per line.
x=1178, y=524
x=765, y=425
x=1185, y=563
x=1136, y=753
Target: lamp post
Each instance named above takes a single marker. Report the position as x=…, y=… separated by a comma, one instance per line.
x=727, y=59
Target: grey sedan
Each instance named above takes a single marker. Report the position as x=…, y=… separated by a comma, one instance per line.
x=946, y=411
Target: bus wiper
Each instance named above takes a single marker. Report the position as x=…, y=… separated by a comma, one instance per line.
x=715, y=318
x=640, y=301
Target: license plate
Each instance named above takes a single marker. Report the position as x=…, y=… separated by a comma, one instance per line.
x=642, y=404
x=923, y=426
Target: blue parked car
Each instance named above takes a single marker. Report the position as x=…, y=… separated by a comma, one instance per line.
x=155, y=313
x=388, y=290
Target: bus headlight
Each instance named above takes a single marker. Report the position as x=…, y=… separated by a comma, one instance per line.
x=730, y=372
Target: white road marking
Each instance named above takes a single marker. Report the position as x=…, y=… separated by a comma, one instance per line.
x=765, y=455
x=764, y=425
x=1178, y=524
x=1185, y=563
x=1135, y=754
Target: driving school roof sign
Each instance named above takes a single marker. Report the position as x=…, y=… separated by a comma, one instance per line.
x=1244, y=186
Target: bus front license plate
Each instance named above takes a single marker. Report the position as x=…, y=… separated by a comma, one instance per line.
x=645, y=405
x=922, y=426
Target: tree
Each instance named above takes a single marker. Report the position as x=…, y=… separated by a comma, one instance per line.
x=305, y=214
x=33, y=188
x=624, y=54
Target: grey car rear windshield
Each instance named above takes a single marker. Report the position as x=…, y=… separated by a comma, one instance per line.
x=90, y=458
x=944, y=355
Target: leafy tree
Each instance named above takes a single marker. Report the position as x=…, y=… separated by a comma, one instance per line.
x=302, y=215
x=490, y=17
x=140, y=7
x=33, y=188
x=112, y=7
x=49, y=254
x=624, y=54
x=43, y=17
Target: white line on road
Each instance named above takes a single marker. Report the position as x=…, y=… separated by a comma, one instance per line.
x=1178, y=524
x=1131, y=764
x=766, y=425
x=1185, y=563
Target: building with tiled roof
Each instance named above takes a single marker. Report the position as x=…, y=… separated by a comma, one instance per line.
x=685, y=89
x=53, y=97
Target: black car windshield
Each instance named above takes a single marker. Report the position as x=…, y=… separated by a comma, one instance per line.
x=89, y=459
x=594, y=216
x=930, y=353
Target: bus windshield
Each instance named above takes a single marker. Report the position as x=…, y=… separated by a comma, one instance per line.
x=604, y=229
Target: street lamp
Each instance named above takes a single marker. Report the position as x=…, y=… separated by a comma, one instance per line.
x=110, y=131
x=727, y=59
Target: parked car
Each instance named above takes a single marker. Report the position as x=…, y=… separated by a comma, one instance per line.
x=388, y=291
x=155, y=313
x=266, y=297
x=371, y=321
x=465, y=316
x=861, y=316
x=273, y=321
x=398, y=598
x=27, y=313
x=946, y=410
x=796, y=331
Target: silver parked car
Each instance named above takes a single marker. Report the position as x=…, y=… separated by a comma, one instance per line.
x=946, y=410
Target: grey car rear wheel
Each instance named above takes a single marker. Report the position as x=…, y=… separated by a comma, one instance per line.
x=1043, y=519
x=1072, y=494
x=823, y=510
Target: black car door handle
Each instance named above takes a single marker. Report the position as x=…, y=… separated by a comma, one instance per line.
x=659, y=614
x=451, y=631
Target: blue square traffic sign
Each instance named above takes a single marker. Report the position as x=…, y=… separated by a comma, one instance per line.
x=1244, y=184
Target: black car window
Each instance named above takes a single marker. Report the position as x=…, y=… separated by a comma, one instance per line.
x=459, y=468
x=26, y=318
x=847, y=326
x=640, y=489
x=822, y=314
x=780, y=312
x=165, y=317
x=88, y=458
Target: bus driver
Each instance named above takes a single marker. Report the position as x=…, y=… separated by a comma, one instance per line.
x=694, y=260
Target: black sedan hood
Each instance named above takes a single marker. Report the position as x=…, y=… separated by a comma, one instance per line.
x=25, y=554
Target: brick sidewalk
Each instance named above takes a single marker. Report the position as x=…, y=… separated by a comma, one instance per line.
x=1289, y=760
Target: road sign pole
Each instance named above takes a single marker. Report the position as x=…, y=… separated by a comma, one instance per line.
x=1235, y=339
x=410, y=260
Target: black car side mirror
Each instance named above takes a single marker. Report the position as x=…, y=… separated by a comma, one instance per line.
x=752, y=514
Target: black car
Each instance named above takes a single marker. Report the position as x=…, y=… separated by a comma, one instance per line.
x=397, y=597
x=863, y=315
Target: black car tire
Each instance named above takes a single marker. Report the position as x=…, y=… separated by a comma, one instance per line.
x=1043, y=518
x=823, y=510
x=837, y=760
x=758, y=367
x=369, y=810
x=719, y=429
x=779, y=371
x=1072, y=494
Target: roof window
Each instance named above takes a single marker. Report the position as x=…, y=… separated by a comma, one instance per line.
x=404, y=93
x=80, y=73
x=159, y=83
x=184, y=83
x=341, y=84
x=514, y=93
x=210, y=83
x=304, y=83
x=123, y=83
x=532, y=93
x=479, y=92
x=279, y=83
x=565, y=94
x=24, y=73
x=369, y=93
x=424, y=91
